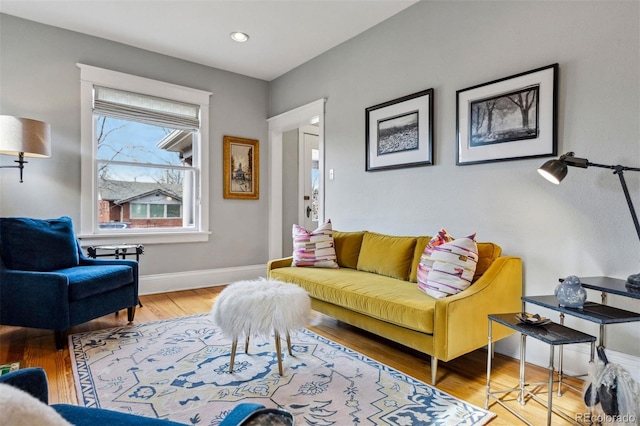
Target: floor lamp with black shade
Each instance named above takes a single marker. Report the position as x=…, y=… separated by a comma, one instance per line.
x=555, y=170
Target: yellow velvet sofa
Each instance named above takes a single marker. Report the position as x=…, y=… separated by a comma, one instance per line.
x=375, y=289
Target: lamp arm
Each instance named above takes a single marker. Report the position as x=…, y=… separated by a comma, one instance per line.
x=20, y=165
x=619, y=172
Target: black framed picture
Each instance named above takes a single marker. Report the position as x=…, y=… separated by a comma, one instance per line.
x=508, y=119
x=399, y=133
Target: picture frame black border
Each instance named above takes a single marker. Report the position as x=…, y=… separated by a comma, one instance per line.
x=554, y=151
x=371, y=143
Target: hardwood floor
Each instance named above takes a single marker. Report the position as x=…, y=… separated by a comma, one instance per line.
x=464, y=377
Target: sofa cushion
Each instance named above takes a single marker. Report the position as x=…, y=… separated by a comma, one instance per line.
x=426, y=262
x=388, y=299
x=453, y=267
x=85, y=281
x=314, y=248
x=347, y=246
x=38, y=244
x=421, y=243
x=487, y=253
x=386, y=255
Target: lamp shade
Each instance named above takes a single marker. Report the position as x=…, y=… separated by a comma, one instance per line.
x=553, y=171
x=23, y=135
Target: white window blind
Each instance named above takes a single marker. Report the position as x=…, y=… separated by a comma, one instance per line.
x=146, y=109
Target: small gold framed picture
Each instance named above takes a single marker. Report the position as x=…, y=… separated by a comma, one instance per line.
x=241, y=168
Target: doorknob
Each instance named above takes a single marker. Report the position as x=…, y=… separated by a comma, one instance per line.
x=308, y=211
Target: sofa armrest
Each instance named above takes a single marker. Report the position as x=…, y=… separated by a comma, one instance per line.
x=279, y=263
x=461, y=323
x=30, y=380
x=86, y=261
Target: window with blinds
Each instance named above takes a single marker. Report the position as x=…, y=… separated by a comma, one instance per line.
x=145, y=165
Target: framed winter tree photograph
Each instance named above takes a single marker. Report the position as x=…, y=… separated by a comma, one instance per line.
x=508, y=119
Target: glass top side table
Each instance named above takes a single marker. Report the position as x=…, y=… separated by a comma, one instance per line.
x=554, y=335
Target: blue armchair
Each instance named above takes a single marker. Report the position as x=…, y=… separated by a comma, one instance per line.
x=47, y=282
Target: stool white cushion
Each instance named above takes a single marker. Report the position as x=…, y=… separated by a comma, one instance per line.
x=260, y=307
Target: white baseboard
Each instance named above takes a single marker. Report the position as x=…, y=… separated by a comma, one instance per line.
x=575, y=357
x=162, y=283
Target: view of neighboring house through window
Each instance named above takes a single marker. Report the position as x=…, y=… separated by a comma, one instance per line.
x=146, y=175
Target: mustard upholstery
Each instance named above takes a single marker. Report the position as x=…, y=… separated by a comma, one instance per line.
x=389, y=299
x=347, y=245
x=421, y=243
x=387, y=255
x=397, y=310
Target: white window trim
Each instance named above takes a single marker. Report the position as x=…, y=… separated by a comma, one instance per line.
x=89, y=234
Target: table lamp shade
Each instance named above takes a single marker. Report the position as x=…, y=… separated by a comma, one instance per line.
x=23, y=135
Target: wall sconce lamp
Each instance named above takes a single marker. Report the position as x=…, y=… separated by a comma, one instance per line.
x=25, y=138
x=555, y=170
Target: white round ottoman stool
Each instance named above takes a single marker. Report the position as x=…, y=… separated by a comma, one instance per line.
x=260, y=307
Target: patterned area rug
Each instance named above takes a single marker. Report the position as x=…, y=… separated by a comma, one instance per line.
x=178, y=369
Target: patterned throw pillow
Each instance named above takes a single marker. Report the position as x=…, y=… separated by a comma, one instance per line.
x=314, y=248
x=447, y=265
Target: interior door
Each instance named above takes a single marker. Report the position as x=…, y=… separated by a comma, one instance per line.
x=309, y=179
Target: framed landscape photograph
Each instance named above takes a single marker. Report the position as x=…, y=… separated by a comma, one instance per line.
x=241, y=168
x=399, y=133
x=508, y=119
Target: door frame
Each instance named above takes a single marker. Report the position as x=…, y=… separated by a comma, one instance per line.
x=279, y=124
x=302, y=178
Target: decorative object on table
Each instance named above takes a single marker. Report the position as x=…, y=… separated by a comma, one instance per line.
x=532, y=319
x=269, y=417
x=399, y=133
x=555, y=170
x=24, y=137
x=612, y=389
x=178, y=369
x=570, y=293
x=8, y=368
x=241, y=168
x=508, y=119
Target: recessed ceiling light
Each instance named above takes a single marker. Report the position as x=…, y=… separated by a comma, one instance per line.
x=239, y=36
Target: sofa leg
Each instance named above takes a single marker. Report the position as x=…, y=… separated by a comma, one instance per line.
x=61, y=338
x=434, y=370
x=131, y=312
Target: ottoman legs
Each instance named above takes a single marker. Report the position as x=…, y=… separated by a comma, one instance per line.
x=278, y=353
x=234, y=347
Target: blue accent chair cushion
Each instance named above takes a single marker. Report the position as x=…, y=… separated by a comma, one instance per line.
x=38, y=244
x=85, y=282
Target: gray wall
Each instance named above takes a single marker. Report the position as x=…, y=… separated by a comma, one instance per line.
x=39, y=79
x=581, y=227
x=290, y=152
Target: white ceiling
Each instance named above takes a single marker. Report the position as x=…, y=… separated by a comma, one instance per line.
x=283, y=34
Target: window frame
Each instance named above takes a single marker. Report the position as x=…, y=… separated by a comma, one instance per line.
x=89, y=231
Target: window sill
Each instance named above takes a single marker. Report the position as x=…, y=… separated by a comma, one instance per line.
x=144, y=238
